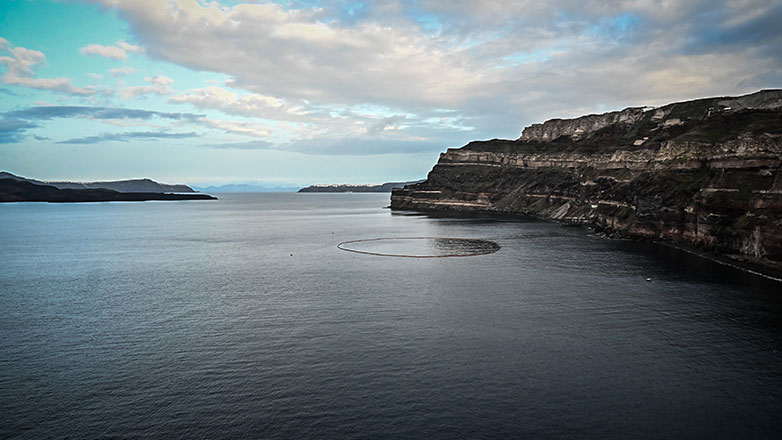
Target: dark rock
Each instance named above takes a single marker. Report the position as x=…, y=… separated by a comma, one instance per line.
x=133, y=185
x=12, y=190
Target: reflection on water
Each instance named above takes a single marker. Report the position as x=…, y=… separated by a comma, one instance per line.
x=421, y=247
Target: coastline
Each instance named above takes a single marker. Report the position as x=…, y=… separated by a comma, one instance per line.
x=750, y=267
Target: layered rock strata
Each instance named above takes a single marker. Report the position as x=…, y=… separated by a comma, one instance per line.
x=705, y=173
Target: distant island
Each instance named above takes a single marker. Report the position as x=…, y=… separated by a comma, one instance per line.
x=341, y=188
x=133, y=185
x=244, y=188
x=19, y=189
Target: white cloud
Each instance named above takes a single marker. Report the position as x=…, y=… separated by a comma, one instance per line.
x=304, y=120
x=117, y=52
x=567, y=57
x=127, y=47
x=159, y=80
x=158, y=85
x=293, y=55
x=390, y=123
x=118, y=72
x=20, y=68
x=245, y=128
x=251, y=105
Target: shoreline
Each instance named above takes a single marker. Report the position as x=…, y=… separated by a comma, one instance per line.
x=756, y=269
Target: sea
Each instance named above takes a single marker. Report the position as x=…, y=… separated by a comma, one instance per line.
x=242, y=318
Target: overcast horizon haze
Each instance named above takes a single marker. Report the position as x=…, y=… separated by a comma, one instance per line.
x=293, y=93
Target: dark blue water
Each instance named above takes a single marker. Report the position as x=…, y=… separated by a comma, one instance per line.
x=241, y=318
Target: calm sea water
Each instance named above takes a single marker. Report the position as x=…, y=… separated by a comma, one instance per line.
x=240, y=318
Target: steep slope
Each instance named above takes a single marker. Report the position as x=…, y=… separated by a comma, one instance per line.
x=704, y=173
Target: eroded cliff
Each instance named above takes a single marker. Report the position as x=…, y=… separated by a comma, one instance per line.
x=705, y=173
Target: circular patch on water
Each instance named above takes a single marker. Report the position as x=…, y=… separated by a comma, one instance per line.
x=420, y=247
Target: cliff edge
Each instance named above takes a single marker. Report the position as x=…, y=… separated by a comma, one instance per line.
x=704, y=173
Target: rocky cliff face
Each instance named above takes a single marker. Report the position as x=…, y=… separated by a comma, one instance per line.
x=576, y=128
x=706, y=173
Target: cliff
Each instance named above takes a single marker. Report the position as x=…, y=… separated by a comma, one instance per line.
x=704, y=173
x=133, y=185
x=12, y=190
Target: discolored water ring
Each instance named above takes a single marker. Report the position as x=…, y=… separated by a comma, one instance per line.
x=420, y=247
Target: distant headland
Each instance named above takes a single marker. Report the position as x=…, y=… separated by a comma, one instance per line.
x=341, y=188
x=245, y=188
x=132, y=185
x=15, y=188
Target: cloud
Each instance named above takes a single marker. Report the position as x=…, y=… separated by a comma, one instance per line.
x=130, y=47
x=159, y=80
x=304, y=118
x=128, y=136
x=157, y=85
x=13, y=130
x=498, y=65
x=352, y=146
x=122, y=116
x=117, y=52
x=53, y=112
x=245, y=128
x=251, y=145
x=118, y=72
x=295, y=55
x=114, y=53
x=20, y=68
x=390, y=123
x=251, y=105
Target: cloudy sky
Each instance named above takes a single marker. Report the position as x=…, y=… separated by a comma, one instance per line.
x=300, y=92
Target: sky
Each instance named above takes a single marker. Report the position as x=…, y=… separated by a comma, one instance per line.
x=292, y=93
